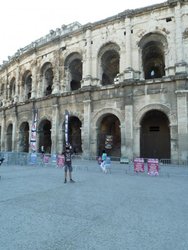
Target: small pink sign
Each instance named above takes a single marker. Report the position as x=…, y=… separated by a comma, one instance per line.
x=60, y=161
x=138, y=165
x=153, y=167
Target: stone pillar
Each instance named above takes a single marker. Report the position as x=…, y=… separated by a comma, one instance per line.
x=136, y=142
x=86, y=129
x=14, y=130
x=34, y=79
x=180, y=63
x=128, y=70
x=54, y=130
x=56, y=80
x=129, y=131
x=3, y=132
x=182, y=110
x=87, y=61
x=17, y=84
x=174, y=143
x=128, y=62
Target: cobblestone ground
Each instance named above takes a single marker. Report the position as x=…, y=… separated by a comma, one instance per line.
x=117, y=211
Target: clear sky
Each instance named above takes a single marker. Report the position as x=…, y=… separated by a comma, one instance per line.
x=22, y=22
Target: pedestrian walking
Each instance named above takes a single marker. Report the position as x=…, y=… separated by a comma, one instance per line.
x=103, y=160
x=68, y=163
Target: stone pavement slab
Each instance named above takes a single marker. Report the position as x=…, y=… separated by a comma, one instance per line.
x=117, y=211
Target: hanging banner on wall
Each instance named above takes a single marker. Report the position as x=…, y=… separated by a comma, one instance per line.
x=66, y=127
x=33, y=138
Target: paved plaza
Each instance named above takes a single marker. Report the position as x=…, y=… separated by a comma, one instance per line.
x=117, y=211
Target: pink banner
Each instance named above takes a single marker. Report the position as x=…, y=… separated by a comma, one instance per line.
x=138, y=165
x=60, y=161
x=153, y=167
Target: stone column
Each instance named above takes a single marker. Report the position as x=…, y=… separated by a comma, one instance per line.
x=129, y=131
x=86, y=128
x=14, y=130
x=182, y=111
x=136, y=142
x=87, y=61
x=180, y=63
x=3, y=131
x=34, y=79
x=56, y=80
x=54, y=130
x=17, y=84
x=128, y=70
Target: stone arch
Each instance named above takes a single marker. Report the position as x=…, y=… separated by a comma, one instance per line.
x=27, y=84
x=108, y=63
x=144, y=110
x=24, y=137
x=153, y=47
x=155, y=135
x=44, y=135
x=73, y=71
x=12, y=89
x=9, y=136
x=107, y=133
x=47, y=76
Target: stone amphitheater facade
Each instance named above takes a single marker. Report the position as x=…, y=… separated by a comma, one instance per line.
x=123, y=80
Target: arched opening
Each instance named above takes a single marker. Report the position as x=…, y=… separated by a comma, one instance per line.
x=73, y=68
x=110, y=66
x=24, y=137
x=45, y=136
x=153, y=46
x=47, y=78
x=153, y=60
x=75, y=134
x=27, y=83
x=9, y=137
x=109, y=136
x=12, y=89
x=155, y=135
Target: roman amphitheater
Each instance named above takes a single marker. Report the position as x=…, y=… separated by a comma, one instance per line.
x=123, y=81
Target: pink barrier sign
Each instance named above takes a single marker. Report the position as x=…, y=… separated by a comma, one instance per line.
x=46, y=159
x=139, y=165
x=153, y=167
x=60, y=161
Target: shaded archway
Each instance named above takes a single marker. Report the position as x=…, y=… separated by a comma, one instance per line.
x=155, y=135
x=24, y=137
x=75, y=134
x=9, y=137
x=73, y=71
x=109, y=63
x=109, y=136
x=153, y=47
x=45, y=136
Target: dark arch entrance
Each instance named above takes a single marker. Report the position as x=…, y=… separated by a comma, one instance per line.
x=75, y=134
x=24, y=137
x=109, y=136
x=45, y=136
x=155, y=135
x=9, y=137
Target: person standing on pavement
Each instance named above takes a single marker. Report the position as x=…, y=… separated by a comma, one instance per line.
x=103, y=160
x=68, y=163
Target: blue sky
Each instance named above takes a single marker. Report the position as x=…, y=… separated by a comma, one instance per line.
x=23, y=22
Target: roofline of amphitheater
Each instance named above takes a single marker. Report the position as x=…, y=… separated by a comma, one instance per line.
x=76, y=27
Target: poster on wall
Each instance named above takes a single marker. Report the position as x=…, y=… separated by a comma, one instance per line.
x=66, y=127
x=33, y=138
x=153, y=167
x=108, y=141
x=138, y=165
